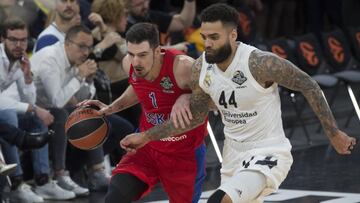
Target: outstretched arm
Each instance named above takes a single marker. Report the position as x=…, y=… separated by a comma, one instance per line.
x=267, y=68
x=200, y=104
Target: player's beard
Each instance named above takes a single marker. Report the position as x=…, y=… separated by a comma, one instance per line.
x=219, y=55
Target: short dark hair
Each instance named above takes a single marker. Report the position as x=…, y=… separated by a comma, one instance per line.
x=73, y=31
x=12, y=24
x=224, y=13
x=141, y=32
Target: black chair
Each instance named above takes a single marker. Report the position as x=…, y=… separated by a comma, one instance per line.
x=346, y=67
x=353, y=35
x=311, y=59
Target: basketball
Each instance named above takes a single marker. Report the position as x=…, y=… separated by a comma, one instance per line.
x=85, y=129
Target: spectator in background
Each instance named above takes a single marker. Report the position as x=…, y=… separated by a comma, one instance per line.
x=66, y=16
x=57, y=80
x=23, y=112
x=62, y=71
x=167, y=23
x=140, y=12
x=110, y=18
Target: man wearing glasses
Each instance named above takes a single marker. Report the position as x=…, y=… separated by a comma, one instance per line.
x=63, y=76
x=62, y=69
x=21, y=112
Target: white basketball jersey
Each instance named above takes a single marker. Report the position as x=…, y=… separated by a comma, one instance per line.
x=249, y=111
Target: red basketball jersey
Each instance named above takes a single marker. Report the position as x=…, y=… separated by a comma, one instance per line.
x=157, y=98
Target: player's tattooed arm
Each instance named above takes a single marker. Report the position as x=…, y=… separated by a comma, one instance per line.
x=200, y=104
x=267, y=68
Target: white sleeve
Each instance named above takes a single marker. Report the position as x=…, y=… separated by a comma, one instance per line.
x=27, y=92
x=92, y=90
x=7, y=102
x=58, y=95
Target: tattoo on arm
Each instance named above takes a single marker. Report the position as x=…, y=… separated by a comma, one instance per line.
x=126, y=100
x=266, y=67
x=199, y=106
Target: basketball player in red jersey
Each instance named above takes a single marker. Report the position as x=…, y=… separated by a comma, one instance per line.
x=157, y=77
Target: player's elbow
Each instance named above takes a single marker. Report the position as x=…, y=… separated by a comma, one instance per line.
x=199, y=118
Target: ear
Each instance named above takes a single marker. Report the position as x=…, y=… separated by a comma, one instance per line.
x=233, y=34
x=158, y=50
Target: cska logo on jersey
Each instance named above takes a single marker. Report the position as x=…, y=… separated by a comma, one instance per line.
x=239, y=78
x=166, y=84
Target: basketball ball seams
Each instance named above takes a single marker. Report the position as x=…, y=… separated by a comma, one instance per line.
x=81, y=114
x=86, y=129
x=79, y=121
x=92, y=140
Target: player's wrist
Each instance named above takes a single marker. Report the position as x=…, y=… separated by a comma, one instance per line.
x=146, y=137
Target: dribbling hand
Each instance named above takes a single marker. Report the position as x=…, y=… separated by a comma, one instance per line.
x=103, y=108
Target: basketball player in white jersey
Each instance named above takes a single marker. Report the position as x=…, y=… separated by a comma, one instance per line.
x=242, y=82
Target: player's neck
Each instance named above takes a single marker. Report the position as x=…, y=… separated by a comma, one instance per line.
x=225, y=64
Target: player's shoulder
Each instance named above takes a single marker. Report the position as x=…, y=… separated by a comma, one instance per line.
x=183, y=60
x=182, y=63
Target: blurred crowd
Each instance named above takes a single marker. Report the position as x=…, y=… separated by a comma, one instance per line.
x=57, y=53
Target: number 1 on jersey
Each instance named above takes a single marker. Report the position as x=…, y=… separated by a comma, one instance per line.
x=232, y=101
x=153, y=99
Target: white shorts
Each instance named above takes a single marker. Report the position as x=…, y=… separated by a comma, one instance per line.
x=272, y=158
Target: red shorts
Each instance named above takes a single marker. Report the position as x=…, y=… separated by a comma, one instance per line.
x=176, y=172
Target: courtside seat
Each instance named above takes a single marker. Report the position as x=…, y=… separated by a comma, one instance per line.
x=338, y=53
x=346, y=67
x=353, y=36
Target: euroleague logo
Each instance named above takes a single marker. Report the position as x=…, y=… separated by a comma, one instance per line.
x=336, y=49
x=308, y=53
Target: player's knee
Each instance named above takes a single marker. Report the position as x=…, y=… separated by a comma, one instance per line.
x=216, y=197
x=115, y=194
x=124, y=188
